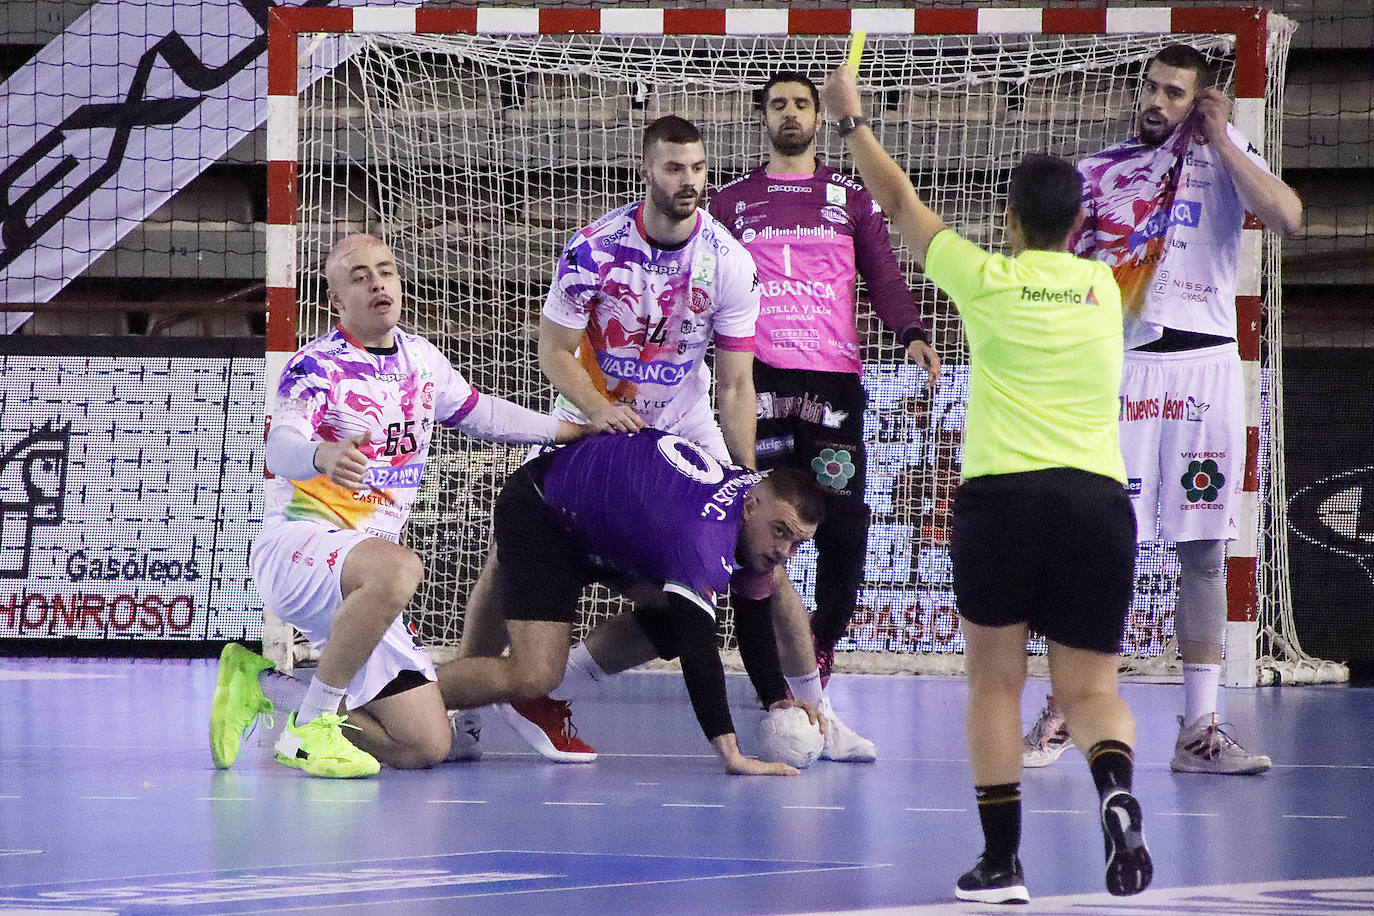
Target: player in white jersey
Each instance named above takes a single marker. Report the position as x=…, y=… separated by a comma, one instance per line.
x=355, y=412
x=1165, y=209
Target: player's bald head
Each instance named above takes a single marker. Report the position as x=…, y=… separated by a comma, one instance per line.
x=340, y=255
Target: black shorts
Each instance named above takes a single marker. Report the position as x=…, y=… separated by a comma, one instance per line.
x=1054, y=549
x=813, y=421
x=543, y=569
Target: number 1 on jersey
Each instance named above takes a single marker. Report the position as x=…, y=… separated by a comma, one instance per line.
x=787, y=260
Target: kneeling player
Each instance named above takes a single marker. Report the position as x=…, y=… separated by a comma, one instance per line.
x=643, y=507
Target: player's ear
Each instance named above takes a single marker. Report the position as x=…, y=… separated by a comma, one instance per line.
x=1078, y=221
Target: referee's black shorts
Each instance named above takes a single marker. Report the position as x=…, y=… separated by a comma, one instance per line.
x=1054, y=549
x=542, y=568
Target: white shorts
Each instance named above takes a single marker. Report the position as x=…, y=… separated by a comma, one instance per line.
x=1182, y=423
x=298, y=569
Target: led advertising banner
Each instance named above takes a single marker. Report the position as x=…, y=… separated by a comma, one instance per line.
x=130, y=488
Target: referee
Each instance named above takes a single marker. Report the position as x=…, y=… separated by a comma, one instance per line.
x=1044, y=534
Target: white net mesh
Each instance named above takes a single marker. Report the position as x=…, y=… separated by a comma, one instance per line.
x=477, y=157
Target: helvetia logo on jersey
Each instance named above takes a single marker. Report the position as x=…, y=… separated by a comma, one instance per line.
x=1041, y=294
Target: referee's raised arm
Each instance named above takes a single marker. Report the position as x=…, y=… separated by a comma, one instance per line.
x=916, y=223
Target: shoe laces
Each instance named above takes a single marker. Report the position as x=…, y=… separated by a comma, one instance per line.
x=1213, y=740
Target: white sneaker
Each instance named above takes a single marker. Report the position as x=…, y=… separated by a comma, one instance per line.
x=1047, y=739
x=842, y=743
x=466, y=725
x=1204, y=747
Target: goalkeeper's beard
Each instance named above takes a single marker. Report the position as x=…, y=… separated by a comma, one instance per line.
x=793, y=144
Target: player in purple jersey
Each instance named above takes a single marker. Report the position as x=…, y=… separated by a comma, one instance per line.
x=813, y=232
x=354, y=414
x=648, y=507
x=1166, y=209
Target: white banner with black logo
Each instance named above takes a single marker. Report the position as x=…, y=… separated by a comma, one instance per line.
x=112, y=118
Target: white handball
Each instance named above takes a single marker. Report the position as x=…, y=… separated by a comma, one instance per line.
x=788, y=736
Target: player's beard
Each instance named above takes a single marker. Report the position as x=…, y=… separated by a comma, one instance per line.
x=1153, y=135
x=672, y=205
x=794, y=143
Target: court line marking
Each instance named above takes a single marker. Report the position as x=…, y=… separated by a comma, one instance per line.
x=1317, y=817
x=813, y=807
x=690, y=805
x=575, y=804
x=593, y=887
x=221, y=798
x=109, y=798
x=1185, y=814
x=457, y=801
x=941, y=810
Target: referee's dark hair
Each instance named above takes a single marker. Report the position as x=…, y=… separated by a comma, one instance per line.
x=800, y=490
x=1045, y=193
x=669, y=129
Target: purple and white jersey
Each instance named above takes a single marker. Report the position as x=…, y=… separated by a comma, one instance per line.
x=811, y=236
x=1168, y=222
x=652, y=505
x=649, y=313
x=334, y=388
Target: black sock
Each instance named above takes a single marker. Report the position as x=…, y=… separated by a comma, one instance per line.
x=999, y=808
x=1112, y=764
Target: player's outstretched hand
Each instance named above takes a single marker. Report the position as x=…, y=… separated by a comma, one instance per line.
x=614, y=418
x=737, y=764
x=343, y=462
x=1215, y=108
x=924, y=355
x=840, y=94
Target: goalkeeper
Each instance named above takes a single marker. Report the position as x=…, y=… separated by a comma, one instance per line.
x=1043, y=531
x=628, y=509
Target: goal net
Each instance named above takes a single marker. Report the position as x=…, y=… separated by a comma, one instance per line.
x=475, y=143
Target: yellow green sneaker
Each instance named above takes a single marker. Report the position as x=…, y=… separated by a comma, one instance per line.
x=238, y=702
x=319, y=748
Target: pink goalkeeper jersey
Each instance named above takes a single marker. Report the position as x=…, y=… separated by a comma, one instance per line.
x=1168, y=222
x=811, y=237
x=650, y=312
x=332, y=389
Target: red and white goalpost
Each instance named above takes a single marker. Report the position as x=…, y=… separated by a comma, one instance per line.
x=475, y=142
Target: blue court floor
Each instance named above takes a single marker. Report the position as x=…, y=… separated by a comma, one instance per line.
x=109, y=804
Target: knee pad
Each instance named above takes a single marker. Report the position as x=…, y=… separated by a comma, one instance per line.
x=1200, y=615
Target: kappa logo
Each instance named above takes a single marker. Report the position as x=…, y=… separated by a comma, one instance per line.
x=33, y=483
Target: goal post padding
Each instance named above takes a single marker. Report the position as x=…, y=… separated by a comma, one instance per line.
x=476, y=142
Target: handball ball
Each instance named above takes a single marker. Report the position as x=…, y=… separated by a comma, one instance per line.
x=788, y=736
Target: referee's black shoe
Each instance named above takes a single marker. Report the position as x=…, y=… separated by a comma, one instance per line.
x=993, y=882
x=1129, y=868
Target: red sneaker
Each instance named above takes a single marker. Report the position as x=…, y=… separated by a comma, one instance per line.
x=547, y=725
